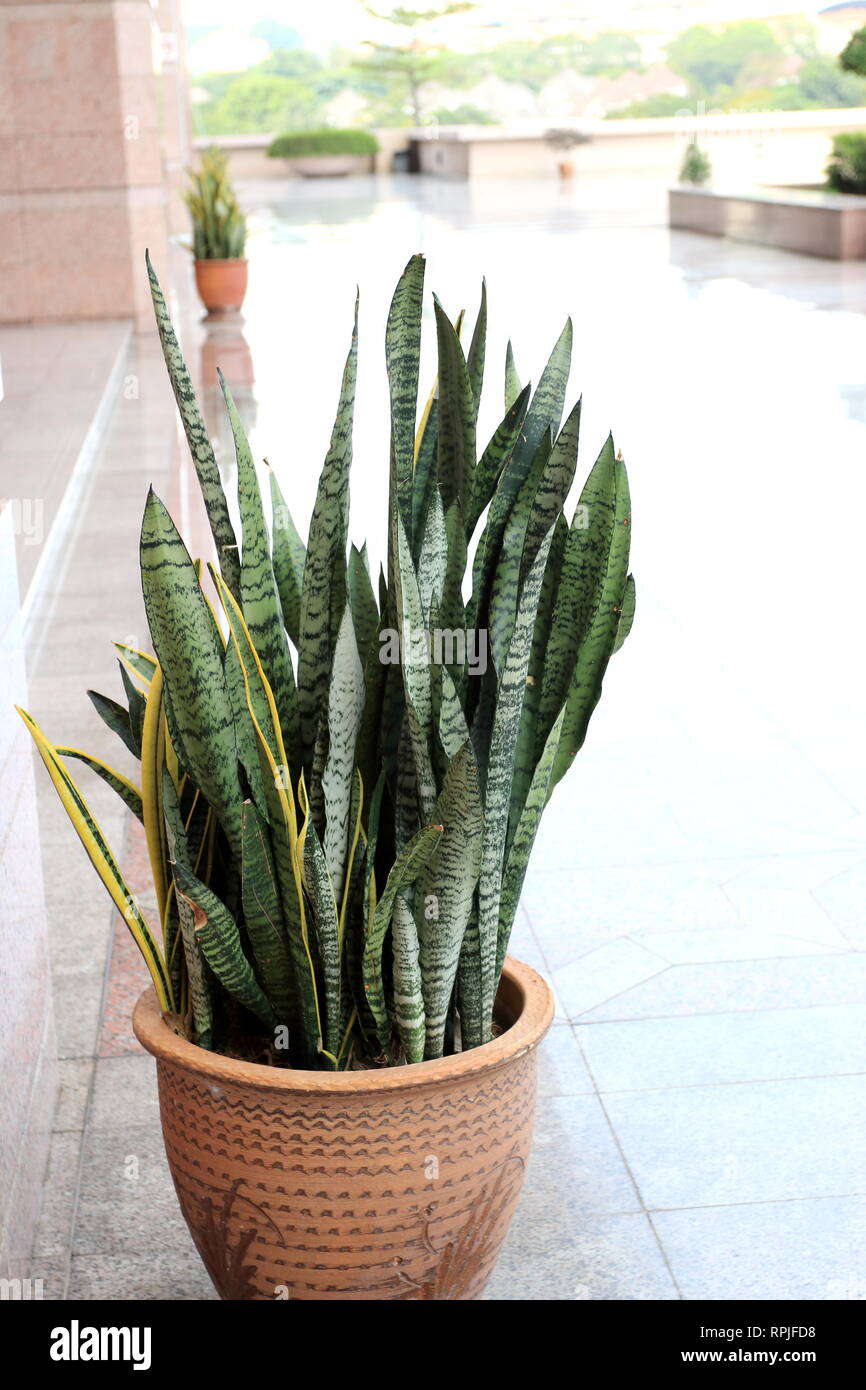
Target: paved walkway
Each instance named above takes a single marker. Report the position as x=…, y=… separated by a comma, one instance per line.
x=697, y=894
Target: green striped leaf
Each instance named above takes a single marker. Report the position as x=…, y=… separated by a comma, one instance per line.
x=246, y=739
x=219, y=940
x=326, y=925
x=117, y=719
x=323, y=597
x=191, y=658
x=402, y=355
x=263, y=916
x=199, y=443
x=548, y=401
x=523, y=840
x=404, y=872
x=626, y=617
x=553, y=488
x=525, y=756
x=505, y=586
x=512, y=380
x=456, y=438
x=597, y=646
x=415, y=669
x=494, y=459
x=90, y=834
x=259, y=597
x=140, y=662
x=129, y=795
x=408, y=987
x=345, y=708
x=584, y=566
x=179, y=852
x=477, y=349
x=500, y=771
x=289, y=557
x=446, y=891
x=425, y=479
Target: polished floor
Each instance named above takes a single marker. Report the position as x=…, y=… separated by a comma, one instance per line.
x=698, y=892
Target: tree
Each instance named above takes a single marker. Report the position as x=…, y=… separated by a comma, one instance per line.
x=610, y=53
x=398, y=72
x=260, y=103
x=715, y=58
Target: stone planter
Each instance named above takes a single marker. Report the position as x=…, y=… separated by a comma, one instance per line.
x=812, y=221
x=326, y=166
x=372, y=1185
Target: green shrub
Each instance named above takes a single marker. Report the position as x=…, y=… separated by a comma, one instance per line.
x=299, y=144
x=219, y=228
x=853, y=55
x=696, y=167
x=846, y=171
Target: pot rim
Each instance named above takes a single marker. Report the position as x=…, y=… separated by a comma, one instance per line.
x=221, y=260
x=531, y=1001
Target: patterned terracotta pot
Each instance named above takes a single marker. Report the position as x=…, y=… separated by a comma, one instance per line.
x=392, y=1184
x=221, y=284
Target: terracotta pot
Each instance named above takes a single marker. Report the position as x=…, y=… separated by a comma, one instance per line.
x=221, y=284
x=566, y=168
x=367, y=1185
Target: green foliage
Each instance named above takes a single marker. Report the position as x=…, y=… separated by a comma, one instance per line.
x=853, y=55
x=716, y=58
x=339, y=828
x=661, y=104
x=846, y=170
x=696, y=167
x=219, y=228
x=259, y=101
x=394, y=74
x=464, y=114
x=297, y=144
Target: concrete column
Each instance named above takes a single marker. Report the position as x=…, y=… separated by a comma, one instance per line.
x=81, y=171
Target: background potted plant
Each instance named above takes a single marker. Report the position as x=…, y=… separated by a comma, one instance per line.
x=324, y=153
x=339, y=799
x=219, y=234
x=564, y=140
x=696, y=167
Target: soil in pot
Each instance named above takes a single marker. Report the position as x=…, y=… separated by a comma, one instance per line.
x=397, y=1184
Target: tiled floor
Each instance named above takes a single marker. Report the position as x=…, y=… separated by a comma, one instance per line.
x=697, y=892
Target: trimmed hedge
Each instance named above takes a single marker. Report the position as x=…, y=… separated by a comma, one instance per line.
x=319, y=142
x=846, y=171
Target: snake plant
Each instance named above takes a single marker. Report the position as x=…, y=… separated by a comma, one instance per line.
x=219, y=228
x=338, y=801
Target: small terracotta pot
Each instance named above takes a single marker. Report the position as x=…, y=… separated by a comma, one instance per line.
x=566, y=168
x=221, y=284
x=362, y=1185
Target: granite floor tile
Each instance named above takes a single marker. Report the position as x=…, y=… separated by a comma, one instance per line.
x=575, y=1167
x=127, y=1202
x=731, y=943
x=609, y=1257
x=801, y=1250
x=714, y=1049
x=740, y=986
x=751, y=1142
x=124, y=1093
x=74, y=1079
x=561, y=1067
x=59, y=1193
x=175, y=1274
x=602, y=975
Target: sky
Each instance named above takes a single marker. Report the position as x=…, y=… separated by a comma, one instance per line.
x=345, y=19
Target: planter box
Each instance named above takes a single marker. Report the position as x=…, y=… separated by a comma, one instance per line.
x=328, y=166
x=811, y=221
